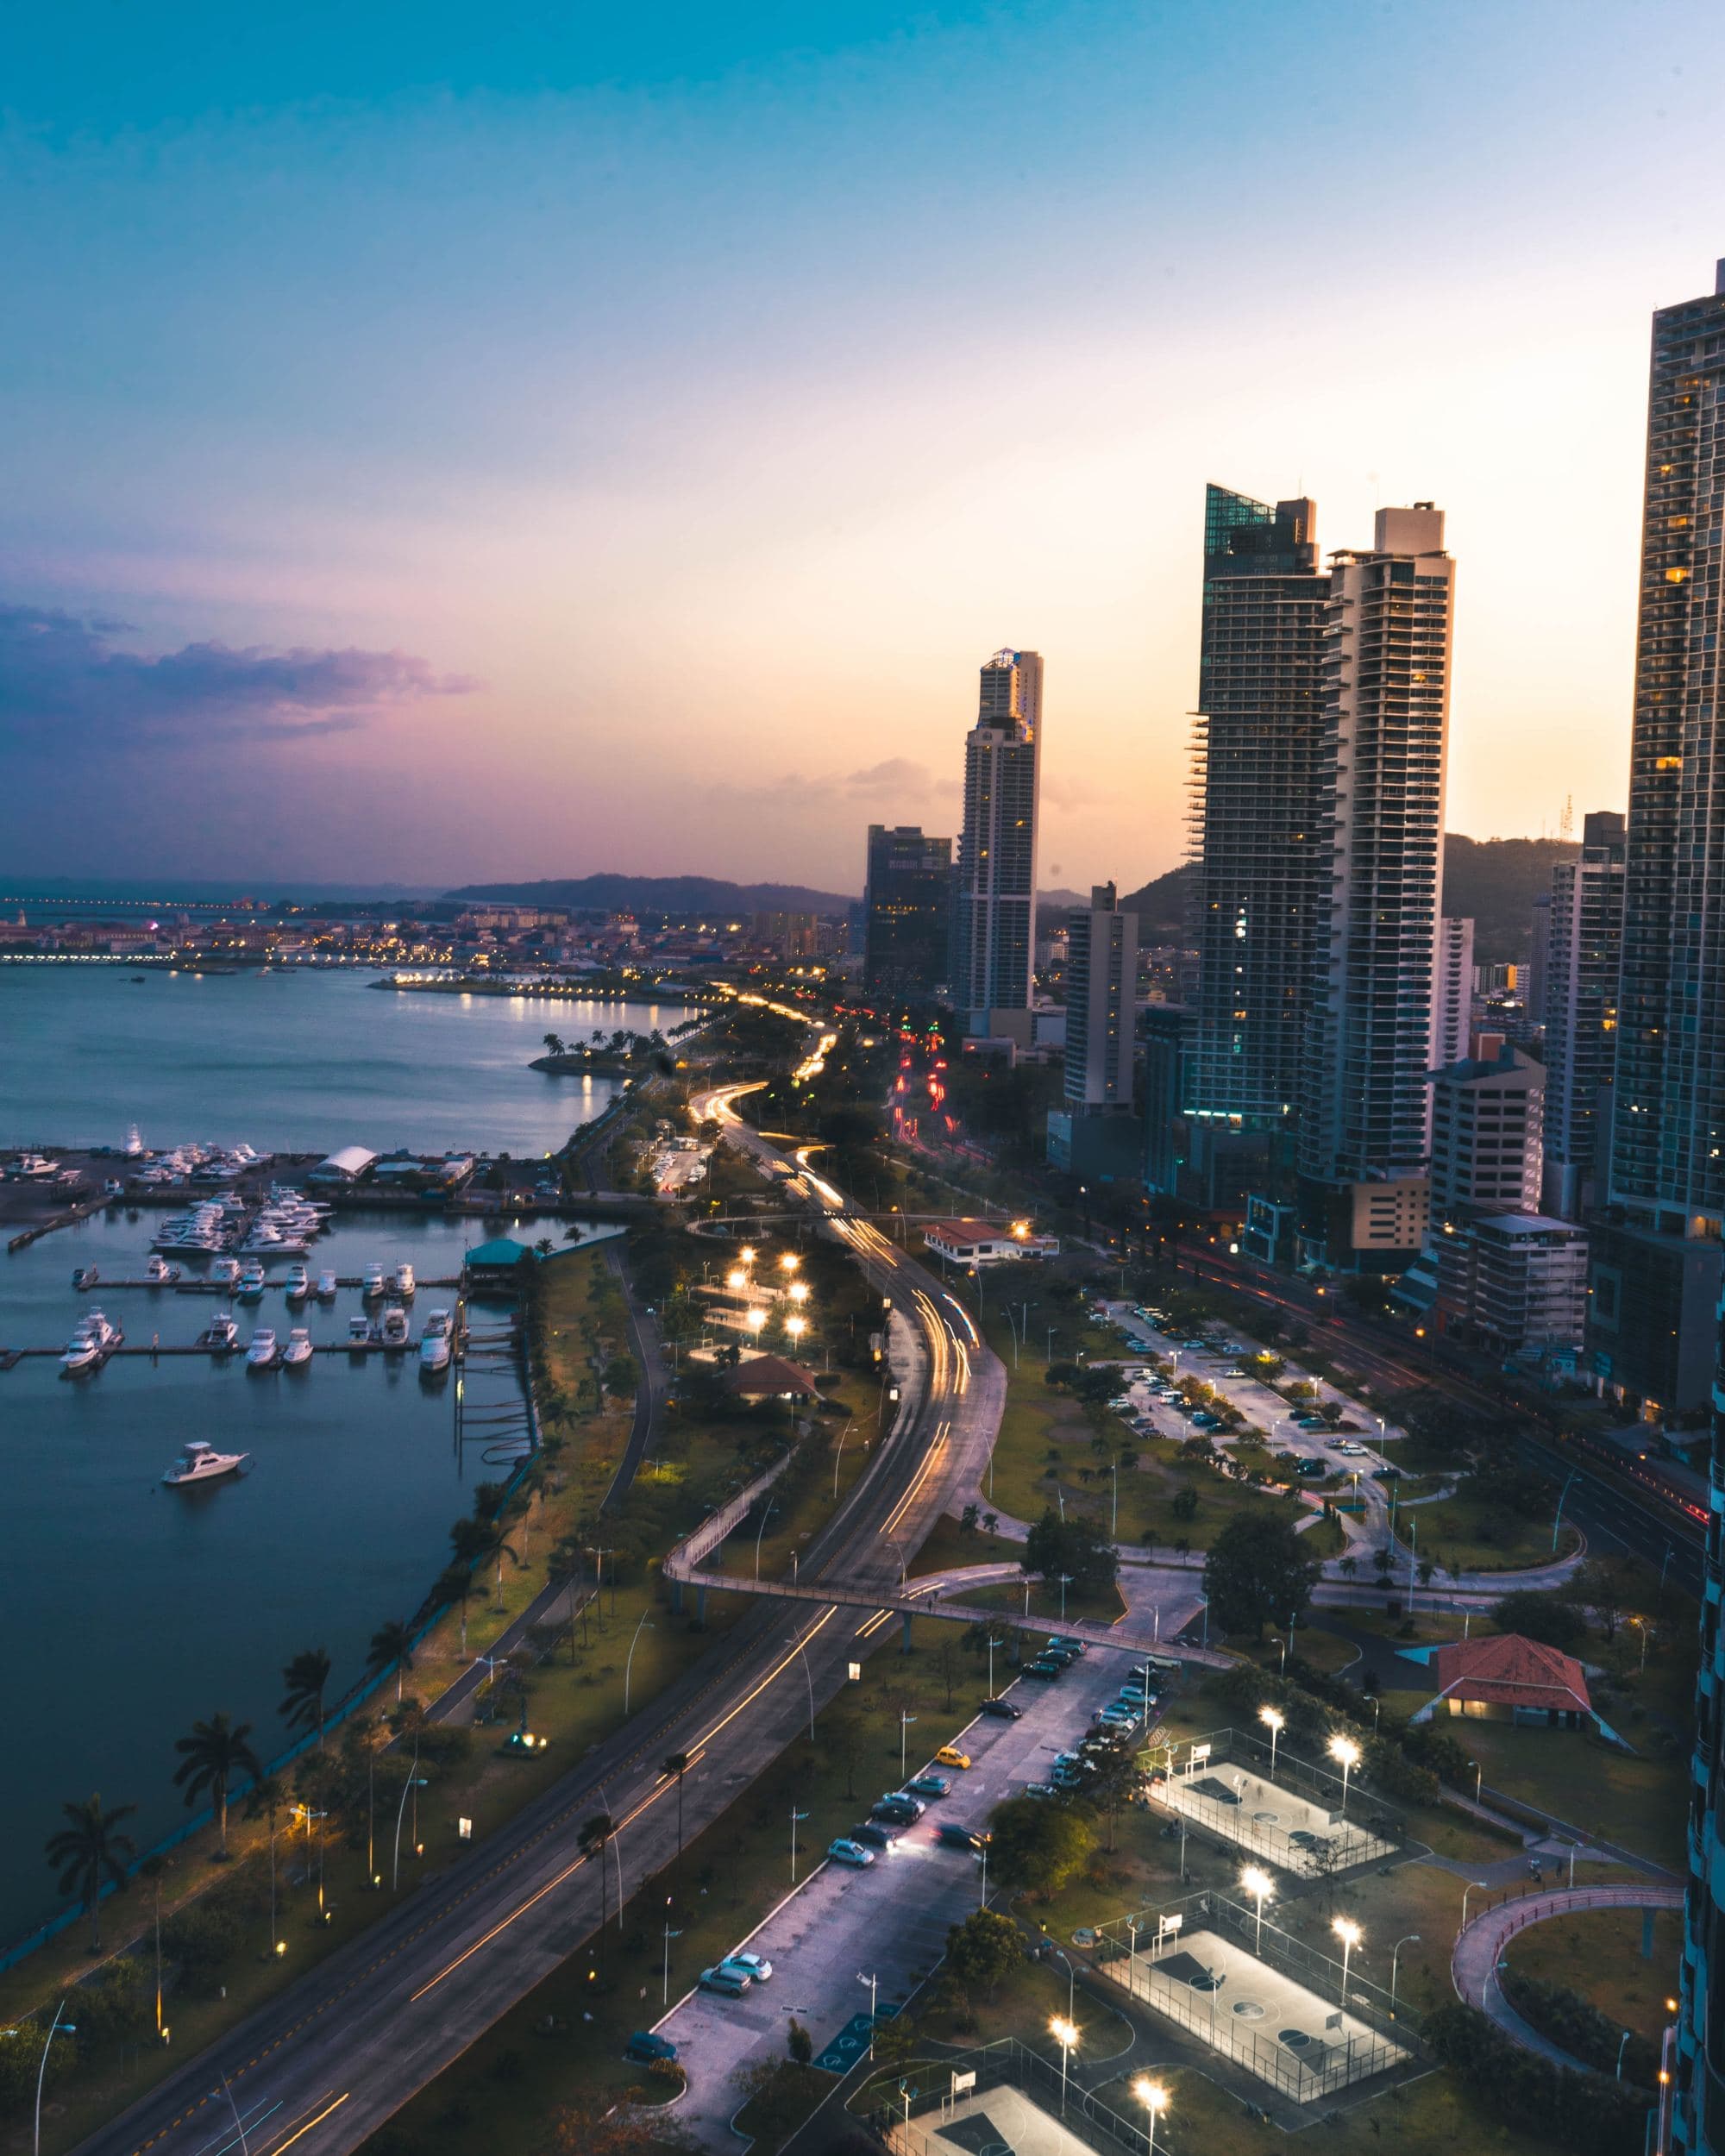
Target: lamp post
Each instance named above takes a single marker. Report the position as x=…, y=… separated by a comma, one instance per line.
x=772, y=1507
x=1154, y=2098
x=873, y=1983
x=1621, y=2048
x=1376, y=1709
x=400, y=1813
x=55, y=2026
x=645, y=1625
x=905, y=1721
x=1556, y=1517
x=795, y=1816
x=1272, y=1718
x=839, y=1456
x=1065, y=1582
x=1350, y=1934
x=1465, y=1891
x=795, y=1640
x=1258, y=1883
x=1347, y=1751
x=1276, y=1640
x=1065, y=2034
x=1412, y=1939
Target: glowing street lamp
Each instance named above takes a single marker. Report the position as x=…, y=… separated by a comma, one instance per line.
x=1347, y=1751
x=799, y=1291
x=748, y=1254
x=1350, y=1934
x=1272, y=1718
x=1258, y=1883
x=796, y=1328
x=735, y=1277
x=1154, y=2098
x=1065, y=2034
x=755, y=1319
x=789, y=1261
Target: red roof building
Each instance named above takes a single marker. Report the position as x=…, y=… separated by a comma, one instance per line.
x=770, y=1377
x=1509, y=1678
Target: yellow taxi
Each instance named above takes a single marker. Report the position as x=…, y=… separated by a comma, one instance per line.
x=950, y=1756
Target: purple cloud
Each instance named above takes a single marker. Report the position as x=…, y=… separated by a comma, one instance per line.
x=56, y=670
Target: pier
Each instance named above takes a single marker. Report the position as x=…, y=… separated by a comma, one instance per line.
x=226, y=1286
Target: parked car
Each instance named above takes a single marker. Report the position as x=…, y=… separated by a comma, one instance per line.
x=928, y=1785
x=1003, y=1710
x=1044, y=1669
x=1040, y=1789
x=896, y=1808
x=730, y=1984
x=953, y=1836
x=851, y=1852
x=644, y=2047
x=1066, y=1643
x=755, y=1966
x=950, y=1756
x=873, y=1835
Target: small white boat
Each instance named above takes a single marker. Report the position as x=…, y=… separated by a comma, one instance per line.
x=159, y=1273
x=226, y=1268
x=434, y=1344
x=393, y=1333
x=86, y=1277
x=250, y=1286
x=201, y=1462
x=92, y=1340
x=221, y=1335
x=374, y=1280
x=297, y=1352
x=359, y=1331
x=298, y=1286
x=262, y=1352
x=402, y=1282
x=326, y=1286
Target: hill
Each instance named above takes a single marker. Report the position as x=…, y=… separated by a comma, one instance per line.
x=1494, y=879
x=678, y=896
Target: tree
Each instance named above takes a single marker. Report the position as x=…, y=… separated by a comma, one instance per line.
x=1074, y=1547
x=1552, y=1619
x=392, y=1647
x=1037, y=1844
x=595, y=1833
x=799, y=2044
x=88, y=1853
x=983, y=1950
x=677, y=1762
x=1598, y=1586
x=215, y=1756
x=494, y=1547
x=1257, y=1572
x=303, y=1682
x=555, y=1043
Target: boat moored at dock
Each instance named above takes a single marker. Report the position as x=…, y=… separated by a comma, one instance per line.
x=402, y=1282
x=221, y=1336
x=298, y=1286
x=393, y=1331
x=297, y=1352
x=93, y=1340
x=434, y=1344
x=262, y=1353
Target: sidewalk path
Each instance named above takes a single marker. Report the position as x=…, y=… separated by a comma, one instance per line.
x=1480, y=1947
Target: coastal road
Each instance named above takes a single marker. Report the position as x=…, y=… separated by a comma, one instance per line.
x=323, y=2066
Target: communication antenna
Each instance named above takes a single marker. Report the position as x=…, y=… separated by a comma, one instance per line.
x=1566, y=823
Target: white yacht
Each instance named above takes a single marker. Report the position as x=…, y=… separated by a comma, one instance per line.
x=221, y=1335
x=261, y=1354
x=201, y=1462
x=393, y=1333
x=402, y=1282
x=326, y=1286
x=159, y=1273
x=374, y=1281
x=297, y=1352
x=359, y=1330
x=434, y=1344
x=250, y=1286
x=226, y=1268
x=298, y=1286
x=92, y=1340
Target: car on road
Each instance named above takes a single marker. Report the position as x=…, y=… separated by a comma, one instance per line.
x=1003, y=1710
x=951, y=1836
x=644, y=2047
x=1044, y=1668
x=928, y=1785
x=1064, y=1643
x=1307, y=1465
x=950, y=1756
x=846, y=1851
x=873, y=1835
x=755, y=1966
x=897, y=1809
x=1039, y=1789
x=730, y=1984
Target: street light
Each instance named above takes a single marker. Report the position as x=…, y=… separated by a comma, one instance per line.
x=1154, y=2098
x=1276, y=1640
x=1065, y=2034
x=1258, y=1883
x=795, y=1816
x=56, y=2028
x=1347, y=1751
x=874, y=1983
x=905, y=1721
x=1272, y=1718
x=1376, y=1709
x=799, y=1291
x=735, y=1277
x=796, y=1328
x=1066, y=1579
x=789, y=1261
x=1350, y=1934
x=1465, y=1891
x=646, y=1624
x=755, y=1319
x=1411, y=1940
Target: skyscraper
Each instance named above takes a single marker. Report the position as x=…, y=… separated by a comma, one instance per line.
x=1388, y=630
x=1255, y=814
x=1452, y=1001
x=1581, y=965
x=1101, y=998
x=1657, y=1255
x=908, y=911
x=993, y=916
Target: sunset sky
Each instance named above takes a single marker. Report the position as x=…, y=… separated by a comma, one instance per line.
x=447, y=442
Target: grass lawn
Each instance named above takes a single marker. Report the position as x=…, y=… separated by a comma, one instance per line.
x=1462, y=1536
x=1639, y=1802
x=1598, y=1953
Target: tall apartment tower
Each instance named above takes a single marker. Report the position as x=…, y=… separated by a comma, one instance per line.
x=1255, y=825
x=1101, y=1002
x=907, y=911
x=1388, y=628
x=1582, y=966
x=1487, y=1111
x=994, y=917
x=1452, y=996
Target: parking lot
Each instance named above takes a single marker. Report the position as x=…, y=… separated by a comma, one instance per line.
x=889, y=1920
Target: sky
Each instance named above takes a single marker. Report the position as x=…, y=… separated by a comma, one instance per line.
x=445, y=443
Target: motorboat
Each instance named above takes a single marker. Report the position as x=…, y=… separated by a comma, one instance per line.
x=297, y=1352
x=227, y=1268
x=262, y=1352
x=374, y=1280
x=86, y=1277
x=201, y=1462
x=221, y=1335
x=298, y=1286
x=250, y=1286
x=159, y=1273
x=92, y=1341
x=393, y=1331
x=434, y=1344
x=359, y=1330
x=402, y=1282
x=326, y=1286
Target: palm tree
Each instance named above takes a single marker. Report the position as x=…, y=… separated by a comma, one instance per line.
x=264, y=1800
x=495, y=1547
x=88, y=1853
x=304, y=1679
x=391, y=1644
x=592, y=1839
x=212, y=1757
x=555, y=1043
x=677, y=1762
x=455, y=1584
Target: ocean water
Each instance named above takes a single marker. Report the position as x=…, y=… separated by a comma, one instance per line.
x=133, y=1610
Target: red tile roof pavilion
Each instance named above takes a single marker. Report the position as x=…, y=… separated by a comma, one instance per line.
x=1511, y=1671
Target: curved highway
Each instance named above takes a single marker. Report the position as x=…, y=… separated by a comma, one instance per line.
x=323, y=2066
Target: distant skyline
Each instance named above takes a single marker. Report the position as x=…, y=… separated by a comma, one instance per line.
x=444, y=448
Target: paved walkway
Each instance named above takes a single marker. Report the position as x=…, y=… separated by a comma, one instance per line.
x=1480, y=1947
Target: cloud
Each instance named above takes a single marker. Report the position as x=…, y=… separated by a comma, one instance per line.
x=57, y=671
x=894, y=785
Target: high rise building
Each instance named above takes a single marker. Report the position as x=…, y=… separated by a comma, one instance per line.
x=1486, y=1122
x=1389, y=625
x=1581, y=965
x=993, y=918
x=907, y=905
x=1452, y=999
x=1101, y=1002
x=1667, y=1172
x=1535, y=983
x=1255, y=818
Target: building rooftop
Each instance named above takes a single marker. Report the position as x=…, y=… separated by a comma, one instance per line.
x=770, y=1376
x=1511, y=1671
